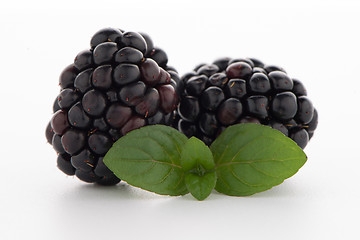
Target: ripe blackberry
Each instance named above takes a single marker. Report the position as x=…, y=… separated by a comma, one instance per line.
x=120, y=84
x=232, y=91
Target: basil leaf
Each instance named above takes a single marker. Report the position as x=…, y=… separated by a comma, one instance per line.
x=198, y=163
x=195, y=153
x=149, y=158
x=252, y=158
x=200, y=186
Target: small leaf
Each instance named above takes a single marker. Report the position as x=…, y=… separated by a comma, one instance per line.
x=195, y=153
x=252, y=158
x=198, y=163
x=200, y=186
x=149, y=158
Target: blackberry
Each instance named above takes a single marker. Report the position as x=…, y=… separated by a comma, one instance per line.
x=120, y=84
x=232, y=91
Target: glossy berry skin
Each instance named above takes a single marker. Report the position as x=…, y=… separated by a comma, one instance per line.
x=67, y=77
x=57, y=145
x=248, y=119
x=222, y=63
x=189, y=108
x=312, y=125
x=235, y=88
x=67, y=98
x=229, y=111
x=59, y=122
x=149, y=104
x=49, y=133
x=121, y=83
x=159, y=56
x=105, y=35
x=83, y=80
x=241, y=70
x=298, y=88
x=94, y=103
x=273, y=68
x=280, y=81
x=187, y=128
x=64, y=164
x=133, y=93
x=301, y=137
x=259, y=83
x=89, y=177
x=218, y=80
x=244, y=90
x=73, y=141
x=100, y=124
x=305, y=110
x=133, y=123
x=102, y=77
x=77, y=117
x=150, y=72
x=104, y=53
x=279, y=126
x=257, y=106
x=126, y=73
x=149, y=44
x=195, y=85
x=128, y=55
x=117, y=115
x=56, y=106
x=83, y=60
x=208, y=124
x=245, y=60
x=135, y=40
x=84, y=161
x=99, y=143
x=207, y=70
x=284, y=106
x=257, y=63
x=211, y=98
x=168, y=98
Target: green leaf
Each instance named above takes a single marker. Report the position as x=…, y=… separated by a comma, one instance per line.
x=198, y=163
x=149, y=158
x=200, y=186
x=252, y=158
x=195, y=153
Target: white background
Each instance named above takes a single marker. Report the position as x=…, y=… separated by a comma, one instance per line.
x=315, y=41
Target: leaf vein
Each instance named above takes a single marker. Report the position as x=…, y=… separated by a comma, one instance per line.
x=241, y=180
x=179, y=181
x=161, y=146
x=261, y=171
x=256, y=161
x=165, y=177
x=150, y=160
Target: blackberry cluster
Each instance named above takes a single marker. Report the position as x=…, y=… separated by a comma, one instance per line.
x=232, y=91
x=120, y=84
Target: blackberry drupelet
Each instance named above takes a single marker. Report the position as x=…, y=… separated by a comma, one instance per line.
x=232, y=91
x=120, y=84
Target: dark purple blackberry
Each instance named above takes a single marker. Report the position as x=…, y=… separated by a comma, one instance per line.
x=67, y=98
x=49, y=133
x=82, y=82
x=232, y=91
x=128, y=55
x=57, y=145
x=120, y=84
x=77, y=117
x=159, y=56
x=67, y=76
x=59, y=122
x=64, y=164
